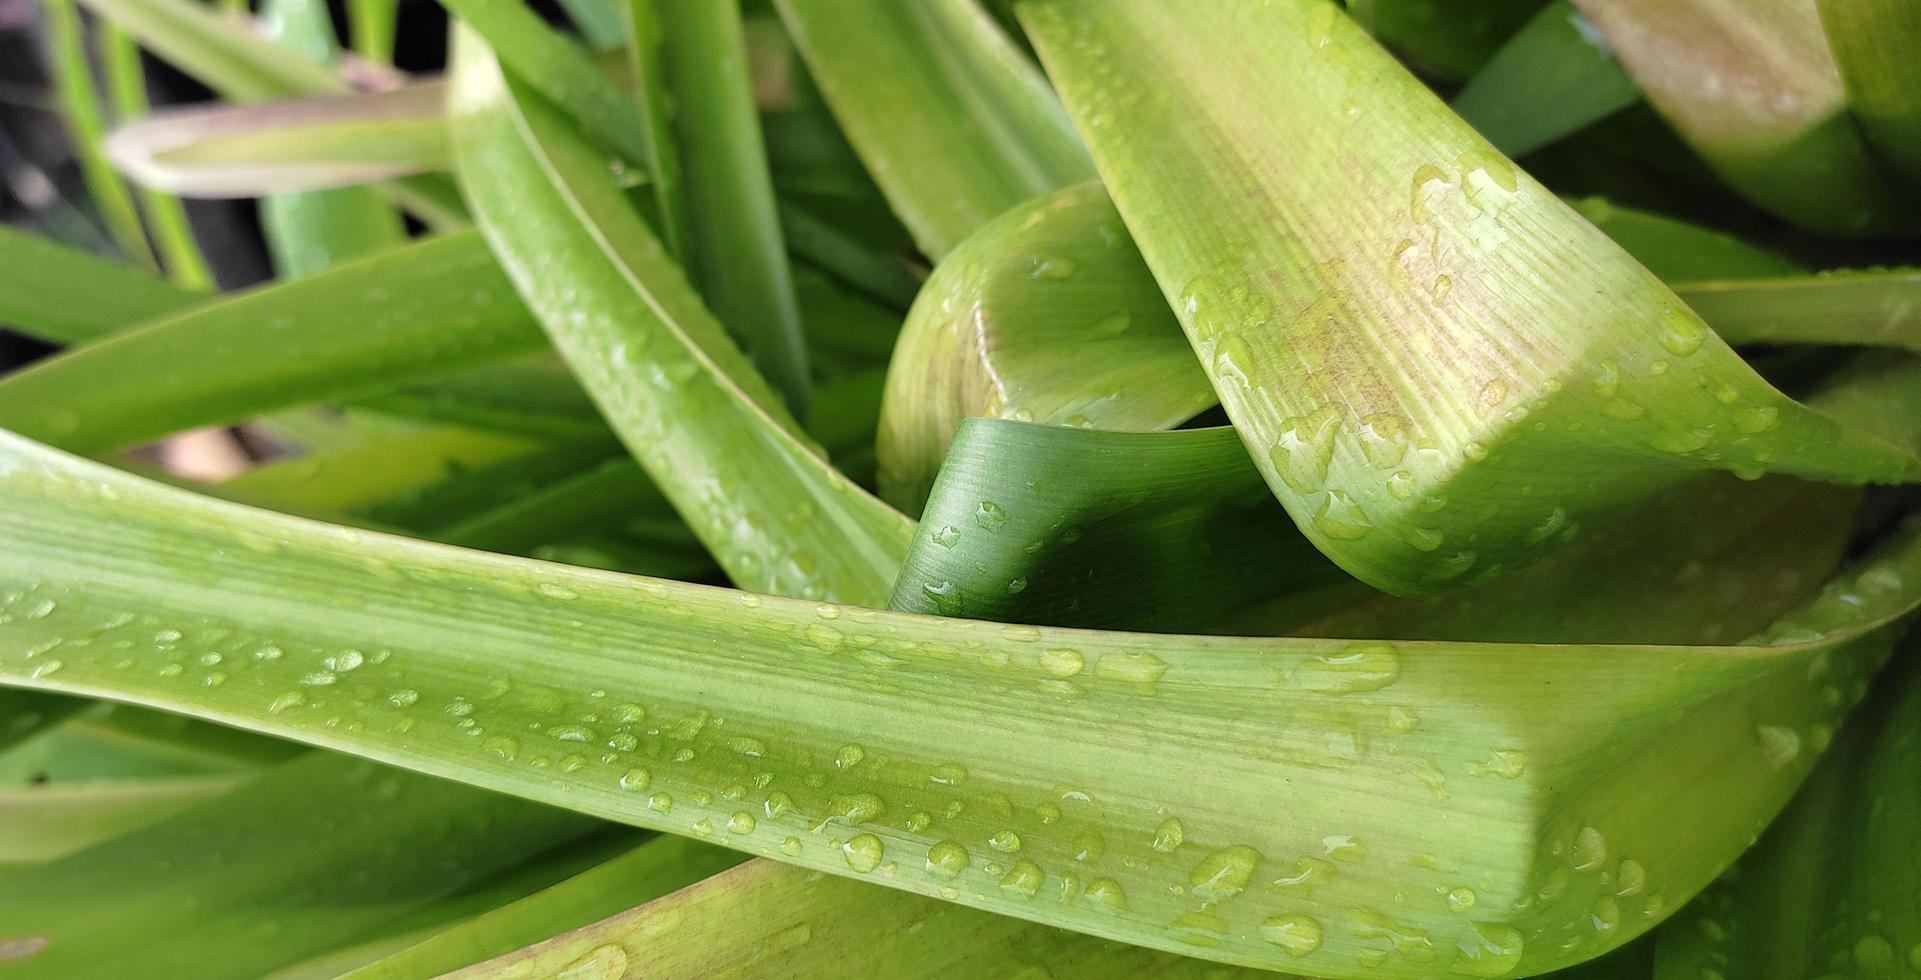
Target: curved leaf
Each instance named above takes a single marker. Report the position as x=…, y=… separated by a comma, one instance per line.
x=1149, y=768
x=951, y=119
x=1877, y=46
x=1553, y=77
x=1752, y=87
x=663, y=371
x=1410, y=349
x=65, y=296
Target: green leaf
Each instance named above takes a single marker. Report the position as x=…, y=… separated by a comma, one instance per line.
x=1833, y=887
x=681, y=396
x=309, y=231
x=1046, y=314
x=1161, y=531
x=81, y=111
x=415, y=312
x=763, y=916
x=166, y=218
x=294, y=861
x=1557, y=762
x=295, y=144
x=950, y=117
x=736, y=257
x=558, y=69
x=65, y=296
x=41, y=823
x=1678, y=251
x=1408, y=349
x=1451, y=41
x=641, y=875
x=371, y=25
x=647, y=70
x=1870, y=307
x=220, y=51
x=1553, y=77
x=1877, y=46
x=1753, y=88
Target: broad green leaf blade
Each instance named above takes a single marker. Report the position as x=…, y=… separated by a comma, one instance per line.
x=736, y=258
x=300, y=144
x=1408, y=347
x=1868, y=307
x=423, y=310
x=1553, y=77
x=671, y=383
x=505, y=674
x=951, y=119
x=643, y=874
x=1877, y=46
x=80, y=109
x=24, y=714
x=41, y=823
x=1834, y=886
x=1681, y=252
x=1046, y=314
x=1753, y=88
x=299, y=859
x=560, y=70
x=1161, y=531
x=308, y=232
x=65, y=296
x=764, y=918
x=173, y=236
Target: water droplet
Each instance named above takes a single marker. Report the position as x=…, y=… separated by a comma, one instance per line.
x=849, y=756
x=1224, y=873
x=857, y=807
x=790, y=846
x=1025, y=878
x=1341, y=518
x=1384, y=439
x=503, y=747
x=1005, y=841
x=1305, y=448
x=1630, y=878
x=1489, y=950
x=947, y=859
x=989, y=516
x=661, y=802
x=291, y=699
x=1108, y=894
x=1061, y=661
x=1682, y=333
x=1756, y=419
x=946, y=536
x=1045, y=267
x=1358, y=667
x=1168, y=836
x=741, y=822
x=1296, y=935
x=1089, y=846
x=1142, y=668
x=635, y=780
x=554, y=590
x=1590, y=849
x=863, y=852
x=1780, y=745
x=1460, y=899
x=1344, y=848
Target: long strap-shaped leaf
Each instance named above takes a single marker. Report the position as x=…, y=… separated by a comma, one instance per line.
x=173, y=236
x=1553, y=77
x=423, y=310
x=671, y=383
x=1436, y=363
x=66, y=296
x=1877, y=46
x=764, y=919
x=951, y=119
x=40, y=823
x=1834, y=887
x=647, y=872
x=915, y=752
x=315, y=852
x=736, y=254
x=1752, y=86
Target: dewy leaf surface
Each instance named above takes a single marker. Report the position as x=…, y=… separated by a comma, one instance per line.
x=1149, y=768
x=1409, y=346
x=672, y=384
x=949, y=116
